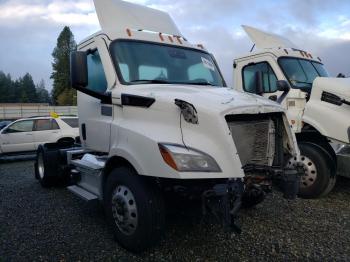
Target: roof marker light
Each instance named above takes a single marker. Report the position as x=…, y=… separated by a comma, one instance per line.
x=285, y=50
x=171, y=39
x=128, y=31
x=200, y=46
x=161, y=37
x=178, y=39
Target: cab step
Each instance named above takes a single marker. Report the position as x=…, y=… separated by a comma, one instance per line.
x=82, y=193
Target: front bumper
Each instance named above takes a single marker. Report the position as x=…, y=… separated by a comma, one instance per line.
x=343, y=161
x=225, y=200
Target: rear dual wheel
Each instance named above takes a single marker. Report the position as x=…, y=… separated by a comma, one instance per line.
x=48, y=167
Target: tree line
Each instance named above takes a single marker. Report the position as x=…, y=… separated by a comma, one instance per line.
x=24, y=90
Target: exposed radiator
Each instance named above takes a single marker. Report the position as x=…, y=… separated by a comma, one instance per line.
x=254, y=140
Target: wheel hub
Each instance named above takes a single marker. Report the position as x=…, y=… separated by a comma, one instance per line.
x=124, y=210
x=310, y=171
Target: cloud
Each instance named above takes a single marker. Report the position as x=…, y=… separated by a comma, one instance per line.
x=29, y=28
x=55, y=12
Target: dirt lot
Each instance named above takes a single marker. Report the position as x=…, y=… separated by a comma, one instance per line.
x=52, y=224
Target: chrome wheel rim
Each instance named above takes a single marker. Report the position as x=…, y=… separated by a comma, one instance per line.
x=124, y=210
x=41, y=168
x=310, y=171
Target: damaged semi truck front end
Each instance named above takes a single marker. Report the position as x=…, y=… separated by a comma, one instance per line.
x=155, y=118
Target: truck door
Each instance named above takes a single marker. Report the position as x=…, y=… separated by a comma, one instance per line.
x=18, y=137
x=293, y=103
x=269, y=79
x=95, y=117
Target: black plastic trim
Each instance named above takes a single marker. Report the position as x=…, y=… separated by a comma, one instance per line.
x=106, y=110
x=138, y=101
x=83, y=131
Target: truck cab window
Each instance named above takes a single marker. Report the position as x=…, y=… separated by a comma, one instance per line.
x=301, y=73
x=269, y=77
x=198, y=71
x=144, y=62
x=96, y=75
x=153, y=72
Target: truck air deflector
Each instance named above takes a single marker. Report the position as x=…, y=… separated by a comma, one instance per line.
x=265, y=40
x=116, y=15
x=138, y=101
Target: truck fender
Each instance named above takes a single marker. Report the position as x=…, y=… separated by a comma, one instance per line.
x=119, y=158
x=315, y=125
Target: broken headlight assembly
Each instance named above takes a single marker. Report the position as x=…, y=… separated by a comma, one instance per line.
x=184, y=159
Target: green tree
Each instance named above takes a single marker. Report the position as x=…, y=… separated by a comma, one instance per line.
x=27, y=89
x=42, y=94
x=61, y=74
x=6, y=88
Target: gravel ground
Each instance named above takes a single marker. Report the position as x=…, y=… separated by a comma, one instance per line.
x=54, y=225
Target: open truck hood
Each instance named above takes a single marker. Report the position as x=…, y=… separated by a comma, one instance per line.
x=265, y=40
x=116, y=15
x=331, y=120
x=207, y=99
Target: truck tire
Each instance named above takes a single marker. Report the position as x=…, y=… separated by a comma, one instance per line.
x=134, y=208
x=320, y=174
x=47, y=167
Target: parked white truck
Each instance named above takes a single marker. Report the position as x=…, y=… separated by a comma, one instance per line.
x=156, y=117
x=318, y=106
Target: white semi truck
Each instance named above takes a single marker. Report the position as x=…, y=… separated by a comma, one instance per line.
x=157, y=118
x=318, y=106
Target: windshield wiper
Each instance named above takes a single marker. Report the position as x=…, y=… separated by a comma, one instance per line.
x=150, y=81
x=160, y=81
x=301, y=82
x=200, y=83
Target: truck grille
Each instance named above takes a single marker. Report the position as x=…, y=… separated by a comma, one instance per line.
x=254, y=140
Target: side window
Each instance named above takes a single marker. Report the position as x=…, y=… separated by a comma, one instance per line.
x=198, y=72
x=54, y=124
x=46, y=124
x=21, y=126
x=96, y=75
x=269, y=77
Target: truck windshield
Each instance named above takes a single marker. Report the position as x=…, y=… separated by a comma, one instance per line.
x=146, y=62
x=300, y=72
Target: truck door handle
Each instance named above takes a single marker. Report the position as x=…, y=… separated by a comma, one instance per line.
x=273, y=98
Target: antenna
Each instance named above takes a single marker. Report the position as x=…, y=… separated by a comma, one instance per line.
x=251, y=50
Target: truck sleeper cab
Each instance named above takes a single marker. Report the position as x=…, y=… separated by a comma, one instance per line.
x=317, y=105
x=156, y=118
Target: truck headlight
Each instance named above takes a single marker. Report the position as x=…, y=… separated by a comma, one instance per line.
x=185, y=159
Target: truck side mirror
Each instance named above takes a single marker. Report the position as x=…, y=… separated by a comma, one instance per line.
x=284, y=87
x=78, y=70
x=259, y=83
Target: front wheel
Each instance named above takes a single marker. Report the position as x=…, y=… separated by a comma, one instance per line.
x=319, y=171
x=134, y=208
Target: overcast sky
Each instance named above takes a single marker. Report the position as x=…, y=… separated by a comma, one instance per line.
x=29, y=29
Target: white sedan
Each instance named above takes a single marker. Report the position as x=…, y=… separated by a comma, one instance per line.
x=26, y=135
